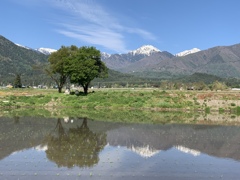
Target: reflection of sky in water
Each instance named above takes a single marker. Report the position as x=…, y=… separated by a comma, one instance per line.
x=121, y=162
x=44, y=149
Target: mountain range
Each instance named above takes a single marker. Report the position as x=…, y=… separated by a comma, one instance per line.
x=222, y=61
x=17, y=59
x=145, y=62
x=46, y=51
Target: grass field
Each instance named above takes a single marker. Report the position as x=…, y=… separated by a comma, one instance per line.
x=126, y=105
x=140, y=99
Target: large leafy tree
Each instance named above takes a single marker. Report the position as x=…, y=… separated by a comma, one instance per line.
x=86, y=65
x=59, y=63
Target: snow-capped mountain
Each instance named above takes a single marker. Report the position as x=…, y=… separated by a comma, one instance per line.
x=145, y=50
x=46, y=51
x=120, y=61
x=186, y=52
x=105, y=55
x=23, y=46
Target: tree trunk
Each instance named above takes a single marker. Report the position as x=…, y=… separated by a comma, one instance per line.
x=59, y=89
x=85, y=88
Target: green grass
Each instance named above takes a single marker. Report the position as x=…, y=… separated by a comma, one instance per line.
x=107, y=115
x=141, y=99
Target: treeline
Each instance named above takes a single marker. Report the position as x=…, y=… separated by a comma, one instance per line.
x=164, y=85
x=197, y=81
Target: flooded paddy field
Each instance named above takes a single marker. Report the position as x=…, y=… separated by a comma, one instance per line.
x=79, y=148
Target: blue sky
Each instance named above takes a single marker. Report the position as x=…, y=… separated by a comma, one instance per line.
x=117, y=26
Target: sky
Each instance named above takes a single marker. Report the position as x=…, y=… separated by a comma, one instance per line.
x=118, y=26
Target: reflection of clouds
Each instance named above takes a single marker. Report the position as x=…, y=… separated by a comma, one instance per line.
x=145, y=152
x=188, y=151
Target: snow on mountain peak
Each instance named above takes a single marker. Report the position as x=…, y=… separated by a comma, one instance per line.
x=46, y=51
x=187, y=52
x=22, y=46
x=145, y=50
x=105, y=55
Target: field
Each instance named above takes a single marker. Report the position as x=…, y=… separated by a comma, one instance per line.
x=148, y=99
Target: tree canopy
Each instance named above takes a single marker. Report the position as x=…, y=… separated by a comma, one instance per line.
x=86, y=65
x=82, y=65
x=59, y=62
x=17, y=81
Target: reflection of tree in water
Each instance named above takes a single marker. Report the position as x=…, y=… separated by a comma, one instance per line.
x=79, y=147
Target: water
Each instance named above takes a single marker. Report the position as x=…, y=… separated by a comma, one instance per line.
x=77, y=148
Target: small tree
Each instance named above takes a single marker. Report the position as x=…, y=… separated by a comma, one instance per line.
x=85, y=65
x=219, y=86
x=17, y=81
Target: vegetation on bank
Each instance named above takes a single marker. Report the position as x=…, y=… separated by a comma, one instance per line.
x=129, y=99
x=123, y=116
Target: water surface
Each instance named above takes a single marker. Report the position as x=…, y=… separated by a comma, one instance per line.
x=78, y=148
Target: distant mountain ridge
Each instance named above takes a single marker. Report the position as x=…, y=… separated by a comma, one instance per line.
x=46, y=51
x=187, y=52
x=16, y=59
x=146, y=50
x=146, y=61
x=222, y=61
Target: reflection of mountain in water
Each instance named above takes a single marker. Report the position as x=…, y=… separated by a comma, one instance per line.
x=145, y=152
x=146, y=140
x=220, y=141
x=188, y=151
x=22, y=134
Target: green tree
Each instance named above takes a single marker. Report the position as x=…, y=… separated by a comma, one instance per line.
x=17, y=81
x=86, y=65
x=219, y=86
x=200, y=86
x=59, y=63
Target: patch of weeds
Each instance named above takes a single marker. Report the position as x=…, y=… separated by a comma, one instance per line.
x=221, y=110
x=195, y=99
x=189, y=103
x=207, y=110
x=233, y=104
x=204, y=104
x=11, y=98
x=237, y=110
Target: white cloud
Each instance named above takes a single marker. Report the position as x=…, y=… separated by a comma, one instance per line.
x=88, y=21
